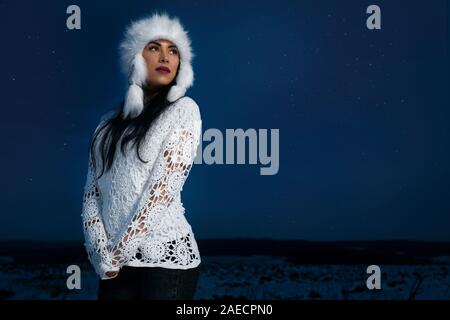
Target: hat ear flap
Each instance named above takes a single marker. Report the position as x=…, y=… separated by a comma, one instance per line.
x=134, y=101
x=138, y=70
x=185, y=79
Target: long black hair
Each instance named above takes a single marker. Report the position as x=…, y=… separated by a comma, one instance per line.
x=135, y=128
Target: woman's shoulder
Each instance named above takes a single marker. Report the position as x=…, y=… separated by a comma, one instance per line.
x=108, y=115
x=186, y=109
x=104, y=118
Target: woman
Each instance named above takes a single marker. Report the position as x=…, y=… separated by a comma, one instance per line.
x=137, y=237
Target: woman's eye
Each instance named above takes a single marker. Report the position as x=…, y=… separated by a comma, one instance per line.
x=173, y=50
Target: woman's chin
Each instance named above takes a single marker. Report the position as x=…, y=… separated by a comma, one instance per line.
x=162, y=79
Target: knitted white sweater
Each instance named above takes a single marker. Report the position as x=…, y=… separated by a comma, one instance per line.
x=133, y=215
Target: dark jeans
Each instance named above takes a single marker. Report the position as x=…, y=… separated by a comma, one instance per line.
x=150, y=283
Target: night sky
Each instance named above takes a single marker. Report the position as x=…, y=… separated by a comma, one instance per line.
x=363, y=115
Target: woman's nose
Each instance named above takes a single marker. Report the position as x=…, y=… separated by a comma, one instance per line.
x=163, y=57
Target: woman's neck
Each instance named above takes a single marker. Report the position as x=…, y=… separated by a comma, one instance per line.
x=149, y=94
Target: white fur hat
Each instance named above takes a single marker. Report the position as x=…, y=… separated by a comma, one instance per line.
x=138, y=34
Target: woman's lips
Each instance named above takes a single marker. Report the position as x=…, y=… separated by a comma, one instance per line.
x=163, y=70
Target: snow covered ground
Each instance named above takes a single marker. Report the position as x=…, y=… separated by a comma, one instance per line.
x=247, y=277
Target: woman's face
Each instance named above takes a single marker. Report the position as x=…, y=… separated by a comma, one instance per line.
x=161, y=54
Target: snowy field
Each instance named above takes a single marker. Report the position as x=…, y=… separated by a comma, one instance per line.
x=247, y=277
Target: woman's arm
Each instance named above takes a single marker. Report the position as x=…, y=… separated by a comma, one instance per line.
x=93, y=228
x=169, y=174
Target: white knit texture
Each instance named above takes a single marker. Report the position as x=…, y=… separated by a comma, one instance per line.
x=133, y=215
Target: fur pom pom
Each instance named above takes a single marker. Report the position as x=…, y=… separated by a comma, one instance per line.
x=175, y=92
x=134, y=103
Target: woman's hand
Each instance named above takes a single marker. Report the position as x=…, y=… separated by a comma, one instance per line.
x=112, y=273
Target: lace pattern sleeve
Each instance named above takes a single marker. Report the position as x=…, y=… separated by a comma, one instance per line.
x=93, y=228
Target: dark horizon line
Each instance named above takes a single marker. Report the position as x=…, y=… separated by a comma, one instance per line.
x=256, y=239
